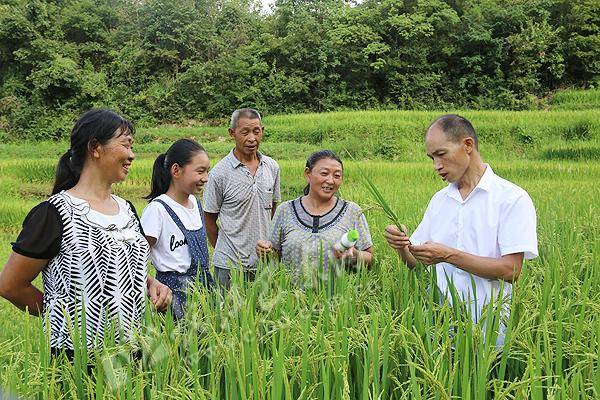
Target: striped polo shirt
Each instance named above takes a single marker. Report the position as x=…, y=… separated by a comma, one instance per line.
x=244, y=203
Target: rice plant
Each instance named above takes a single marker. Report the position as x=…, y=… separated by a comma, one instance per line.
x=381, y=333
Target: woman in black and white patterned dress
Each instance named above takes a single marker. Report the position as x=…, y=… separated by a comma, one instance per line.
x=86, y=242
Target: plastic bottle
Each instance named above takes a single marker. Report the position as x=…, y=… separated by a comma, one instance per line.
x=347, y=240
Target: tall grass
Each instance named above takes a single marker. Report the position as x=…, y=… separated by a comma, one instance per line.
x=381, y=333
x=576, y=99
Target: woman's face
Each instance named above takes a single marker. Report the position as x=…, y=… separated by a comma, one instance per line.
x=325, y=178
x=114, y=158
x=194, y=174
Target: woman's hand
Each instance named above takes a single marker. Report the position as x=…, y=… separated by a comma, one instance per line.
x=350, y=254
x=263, y=248
x=159, y=293
x=16, y=286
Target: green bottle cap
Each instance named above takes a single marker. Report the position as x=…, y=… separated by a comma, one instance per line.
x=353, y=235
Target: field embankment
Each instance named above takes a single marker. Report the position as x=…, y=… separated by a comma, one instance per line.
x=385, y=135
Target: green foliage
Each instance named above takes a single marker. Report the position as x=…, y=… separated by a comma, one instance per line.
x=175, y=60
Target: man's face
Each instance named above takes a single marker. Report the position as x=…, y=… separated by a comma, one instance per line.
x=247, y=135
x=450, y=159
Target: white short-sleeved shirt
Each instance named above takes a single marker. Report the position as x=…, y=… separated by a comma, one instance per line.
x=244, y=203
x=496, y=219
x=170, y=253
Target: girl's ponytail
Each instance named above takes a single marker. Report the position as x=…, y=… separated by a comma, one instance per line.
x=161, y=178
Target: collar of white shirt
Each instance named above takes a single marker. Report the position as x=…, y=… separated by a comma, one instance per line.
x=485, y=183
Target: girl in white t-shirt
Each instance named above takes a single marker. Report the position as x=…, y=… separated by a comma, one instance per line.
x=173, y=220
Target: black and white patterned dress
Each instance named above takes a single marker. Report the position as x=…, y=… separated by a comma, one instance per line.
x=96, y=269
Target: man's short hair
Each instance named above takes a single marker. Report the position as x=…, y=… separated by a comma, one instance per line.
x=456, y=128
x=243, y=113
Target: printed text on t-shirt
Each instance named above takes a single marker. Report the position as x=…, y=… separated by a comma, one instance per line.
x=177, y=243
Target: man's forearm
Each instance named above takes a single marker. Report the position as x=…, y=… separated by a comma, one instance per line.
x=212, y=229
x=506, y=268
x=212, y=233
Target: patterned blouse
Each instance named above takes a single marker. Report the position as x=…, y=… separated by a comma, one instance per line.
x=96, y=268
x=307, y=240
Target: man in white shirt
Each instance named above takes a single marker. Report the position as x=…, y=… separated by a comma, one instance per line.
x=478, y=229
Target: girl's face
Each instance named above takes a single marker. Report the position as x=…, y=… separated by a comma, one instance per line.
x=114, y=158
x=192, y=177
x=325, y=178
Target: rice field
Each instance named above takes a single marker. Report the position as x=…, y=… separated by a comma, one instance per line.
x=374, y=334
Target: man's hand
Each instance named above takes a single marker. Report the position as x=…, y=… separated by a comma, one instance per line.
x=399, y=241
x=396, y=238
x=431, y=253
x=263, y=249
x=212, y=229
x=160, y=294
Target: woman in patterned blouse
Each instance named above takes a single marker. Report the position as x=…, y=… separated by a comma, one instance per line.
x=304, y=230
x=86, y=242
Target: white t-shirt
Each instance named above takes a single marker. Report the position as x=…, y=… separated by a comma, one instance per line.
x=496, y=219
x=170, y=253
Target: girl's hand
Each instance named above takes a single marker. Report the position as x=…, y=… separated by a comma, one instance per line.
x=263, y=248
x=159, y=293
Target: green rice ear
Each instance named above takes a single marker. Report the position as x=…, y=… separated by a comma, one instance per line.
x=379, y=199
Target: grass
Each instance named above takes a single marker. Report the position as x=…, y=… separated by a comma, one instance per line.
x=375, y=334
x=576, y=99
x=379, y=334
x=383, y=135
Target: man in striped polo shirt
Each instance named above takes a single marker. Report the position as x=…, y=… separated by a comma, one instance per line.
x=242, y=192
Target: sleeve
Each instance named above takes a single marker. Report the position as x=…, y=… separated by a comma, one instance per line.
x=152, y=220
x=212, y=194
x=364, y=235
x=422, y=233
x=517, y=231
x=276, y=234
x=41, y=235
x=277, y=185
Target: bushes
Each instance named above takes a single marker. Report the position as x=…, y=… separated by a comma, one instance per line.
x=173, y=60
